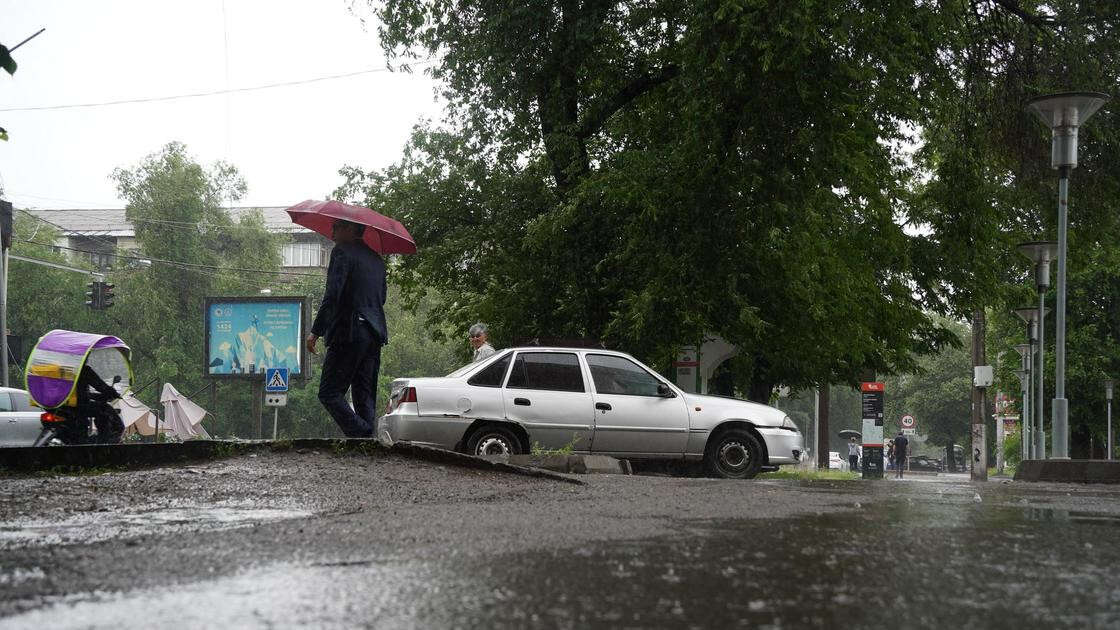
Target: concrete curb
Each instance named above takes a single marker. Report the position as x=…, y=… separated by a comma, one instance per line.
x=63, y=459
x=1069, y=470
x=575, y=464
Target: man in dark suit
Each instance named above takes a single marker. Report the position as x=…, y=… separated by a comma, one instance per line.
x=352, y=319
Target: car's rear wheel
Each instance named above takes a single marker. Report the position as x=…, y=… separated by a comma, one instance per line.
x=733, y=454
x=492, y=439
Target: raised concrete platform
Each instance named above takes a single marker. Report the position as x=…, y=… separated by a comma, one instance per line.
x=65, y=459
x=576, y=464
x=1069, y=470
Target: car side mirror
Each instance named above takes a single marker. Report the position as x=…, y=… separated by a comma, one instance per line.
x=664, y=391
x=116, y=379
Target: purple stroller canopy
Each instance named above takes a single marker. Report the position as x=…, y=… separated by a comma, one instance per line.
x=57, y=360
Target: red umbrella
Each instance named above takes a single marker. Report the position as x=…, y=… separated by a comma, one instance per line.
x=383, y=235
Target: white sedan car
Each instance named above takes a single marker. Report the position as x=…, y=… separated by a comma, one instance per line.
x=593, y=401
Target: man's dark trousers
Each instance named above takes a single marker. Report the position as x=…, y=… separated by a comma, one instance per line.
x=352, y=364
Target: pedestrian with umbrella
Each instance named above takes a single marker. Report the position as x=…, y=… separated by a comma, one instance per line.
x=351, y=317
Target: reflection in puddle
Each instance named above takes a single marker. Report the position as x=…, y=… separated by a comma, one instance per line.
x=1070, y=516
x=95, y=526
x=278, y=596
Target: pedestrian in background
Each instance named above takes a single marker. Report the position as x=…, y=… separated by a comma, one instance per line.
x=890, y=454
x=480, y=341
x=854, y=453
x=352, y=320
x=900, y=444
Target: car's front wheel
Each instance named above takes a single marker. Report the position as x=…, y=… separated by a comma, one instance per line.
x=733, y=454
x=493, y=440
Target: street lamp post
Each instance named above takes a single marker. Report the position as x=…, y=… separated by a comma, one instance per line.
x=1040, y=253
x=1026, y=356
x=1108, y=383
x=1024, y=440
x=1063, y=113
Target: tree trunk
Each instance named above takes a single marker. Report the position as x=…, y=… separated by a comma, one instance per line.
x=979, y=463
x=822, y=428
x=950, y=459
x=760, y=392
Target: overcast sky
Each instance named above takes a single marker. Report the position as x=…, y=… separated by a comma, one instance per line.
x=288, y=142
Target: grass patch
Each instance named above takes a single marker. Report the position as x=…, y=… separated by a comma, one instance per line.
x=802, y=474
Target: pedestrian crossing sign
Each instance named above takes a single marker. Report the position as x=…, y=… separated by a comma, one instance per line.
x=276, y=379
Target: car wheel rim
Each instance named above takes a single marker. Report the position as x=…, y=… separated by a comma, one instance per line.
x=493, y=445
x=733, y=456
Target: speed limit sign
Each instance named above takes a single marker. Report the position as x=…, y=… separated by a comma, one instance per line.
x=907, y=422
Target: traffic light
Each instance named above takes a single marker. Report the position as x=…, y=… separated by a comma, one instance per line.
x=5, y=223
x=107, y=294
x=94, y=295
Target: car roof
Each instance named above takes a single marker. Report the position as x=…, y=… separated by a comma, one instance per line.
x=8, y=390
x=562, y=349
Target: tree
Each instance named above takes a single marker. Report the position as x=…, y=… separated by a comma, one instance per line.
x=991, y=186
x=649, y=173
x=41, y=298
x=938, y=396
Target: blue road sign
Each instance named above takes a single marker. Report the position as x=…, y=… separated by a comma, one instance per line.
x=276, y=379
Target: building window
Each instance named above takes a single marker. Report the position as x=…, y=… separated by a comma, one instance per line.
x=303, y=255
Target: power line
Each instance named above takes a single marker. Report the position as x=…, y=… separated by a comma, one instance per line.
x=154, y=99
x=107, y=206
x=176, y=263
x=105, y=241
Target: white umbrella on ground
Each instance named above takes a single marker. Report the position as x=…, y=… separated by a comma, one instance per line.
x=181, y=417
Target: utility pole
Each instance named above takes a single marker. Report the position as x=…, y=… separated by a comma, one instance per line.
x=811, y=434
x=6, y=210
x=979, y=443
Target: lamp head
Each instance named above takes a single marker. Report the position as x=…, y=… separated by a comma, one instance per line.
x=1041, y=253
x=1063, y=113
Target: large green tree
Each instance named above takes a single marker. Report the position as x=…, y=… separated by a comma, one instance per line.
x=649, y=173
x=990, y=185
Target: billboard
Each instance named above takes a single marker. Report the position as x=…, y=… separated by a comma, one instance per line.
x=247, y=335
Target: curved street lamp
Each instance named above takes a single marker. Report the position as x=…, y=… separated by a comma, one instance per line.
x=1063, y=113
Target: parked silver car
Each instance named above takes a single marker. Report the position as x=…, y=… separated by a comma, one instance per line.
x=19, y=421
x=595, y=401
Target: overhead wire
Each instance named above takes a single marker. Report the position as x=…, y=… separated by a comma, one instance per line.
x=179, y=263
x=155, y=99
x=101, y=239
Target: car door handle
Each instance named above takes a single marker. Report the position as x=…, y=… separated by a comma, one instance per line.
x=603, y=406
x=521, y=401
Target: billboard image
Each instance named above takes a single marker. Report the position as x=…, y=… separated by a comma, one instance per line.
x=245, y=336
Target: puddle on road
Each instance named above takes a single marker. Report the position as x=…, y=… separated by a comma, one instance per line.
x=340, y=595
x=947, y=563
x=96, y=526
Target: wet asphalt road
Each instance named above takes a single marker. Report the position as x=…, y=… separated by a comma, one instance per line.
x=318, y=539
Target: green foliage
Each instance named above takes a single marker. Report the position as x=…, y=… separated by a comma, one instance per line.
x=567, y=449
x=1012, y=450
x=615, y=171
x=6, y=61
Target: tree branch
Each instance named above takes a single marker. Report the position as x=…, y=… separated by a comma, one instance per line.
x=597, y=116
x=1012, y=6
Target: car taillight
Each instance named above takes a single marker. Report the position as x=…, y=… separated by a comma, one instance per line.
x=47, y=416
x=407, y=395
